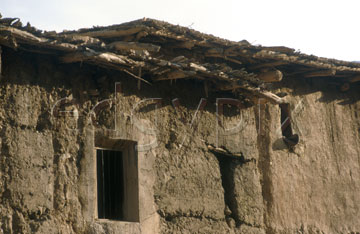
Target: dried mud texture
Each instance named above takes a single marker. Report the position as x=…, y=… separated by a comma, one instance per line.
x=185, y=188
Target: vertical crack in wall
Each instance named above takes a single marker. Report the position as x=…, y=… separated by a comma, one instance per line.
x=228, y=166
x=263, y=119
x=227, y=181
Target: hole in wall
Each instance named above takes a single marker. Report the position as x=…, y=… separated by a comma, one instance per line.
x=289, y=138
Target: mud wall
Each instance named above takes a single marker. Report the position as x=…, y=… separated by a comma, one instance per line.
x=47, y=162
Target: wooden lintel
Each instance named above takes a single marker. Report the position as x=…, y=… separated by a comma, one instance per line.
x=320, y=73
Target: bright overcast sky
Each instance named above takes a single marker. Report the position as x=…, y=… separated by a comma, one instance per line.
x=326, y=28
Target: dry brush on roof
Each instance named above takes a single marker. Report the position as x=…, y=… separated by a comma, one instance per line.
x=163, y=51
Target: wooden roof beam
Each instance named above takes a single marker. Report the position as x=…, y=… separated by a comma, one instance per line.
x=270, y=76
x=122, y=45
x=320, y=73
x=273, y=98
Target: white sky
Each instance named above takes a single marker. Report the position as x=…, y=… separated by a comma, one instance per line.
x=326, y=28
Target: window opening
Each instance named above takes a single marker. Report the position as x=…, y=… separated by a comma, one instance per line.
x=285, y=120
x=117, y=179
x=110, y=178
x=289, y=138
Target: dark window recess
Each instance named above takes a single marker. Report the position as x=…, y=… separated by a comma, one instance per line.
x=110, y=182
x=290, y=139
x=285, y=120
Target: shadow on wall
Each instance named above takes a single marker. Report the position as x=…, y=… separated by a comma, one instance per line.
x=329, y=87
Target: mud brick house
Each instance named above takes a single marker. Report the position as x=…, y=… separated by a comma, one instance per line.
x=148, y=127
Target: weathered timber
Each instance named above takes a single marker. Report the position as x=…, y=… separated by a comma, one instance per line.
x=270, y=76
x=113, y=33
x=101, y=58
x=273, y=98
x=320, y=73
x=20, y=34
x=121, y=45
